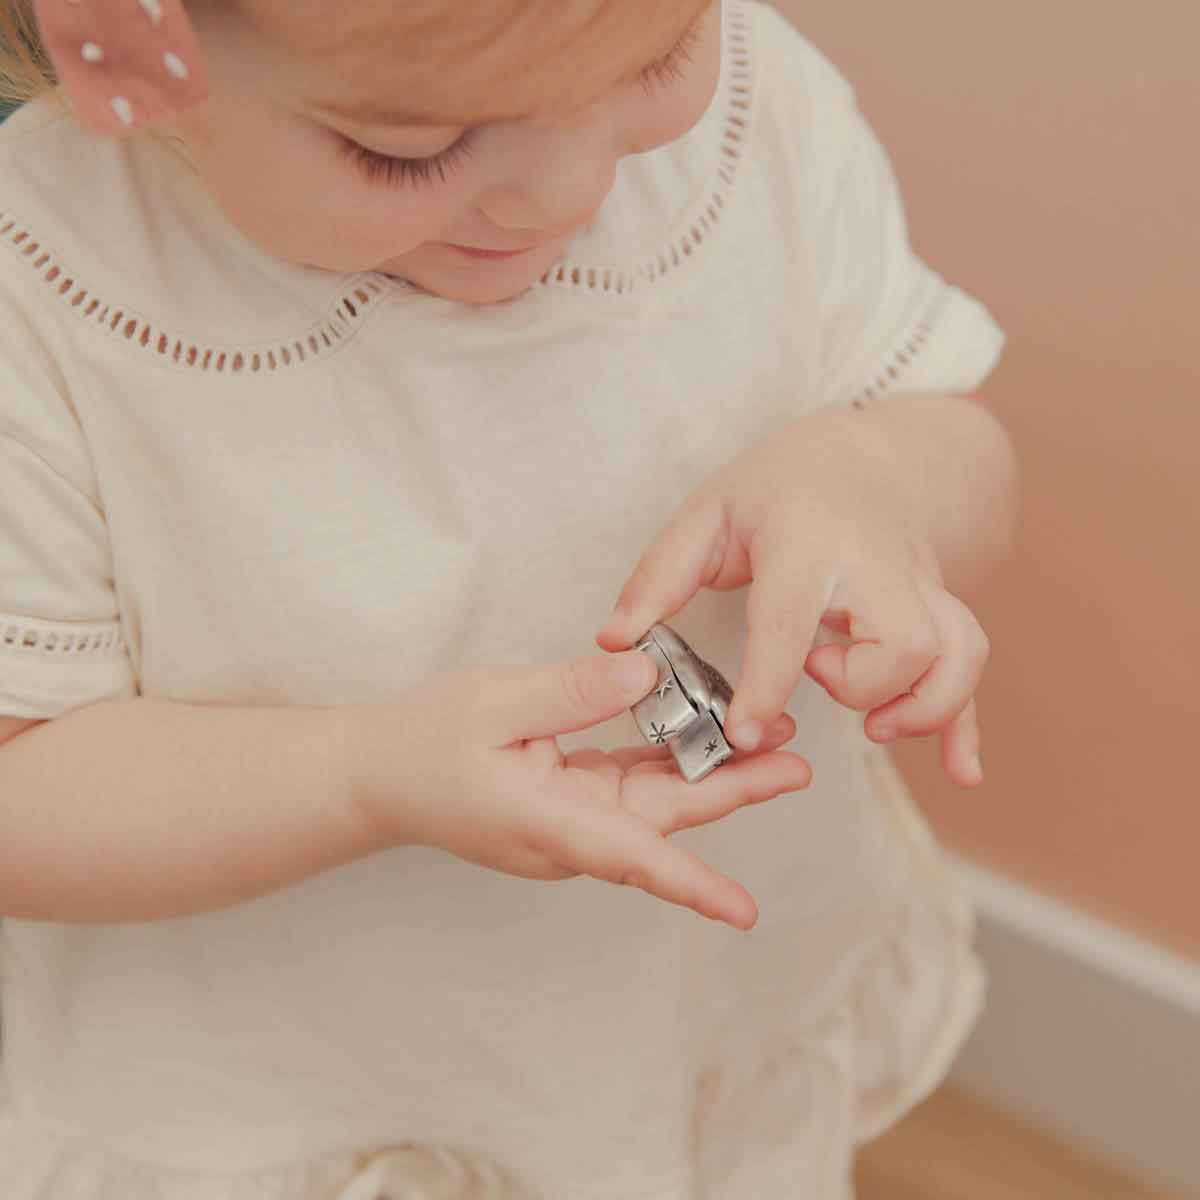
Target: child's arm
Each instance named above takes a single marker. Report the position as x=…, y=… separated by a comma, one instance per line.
x=140, y=809
x=136, y=810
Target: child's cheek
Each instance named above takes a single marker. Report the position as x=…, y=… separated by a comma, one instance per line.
x=671, y=112
x=299, y=197
x=391, y=221
x=358, y=226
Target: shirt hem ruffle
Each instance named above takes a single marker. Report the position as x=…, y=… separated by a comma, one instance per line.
x=890, y=1041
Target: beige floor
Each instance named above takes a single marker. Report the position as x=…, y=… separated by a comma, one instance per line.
x=955, y=1148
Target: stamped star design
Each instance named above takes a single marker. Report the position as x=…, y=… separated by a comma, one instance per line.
x=659, y=733
x=666, y=686
x=710, y=749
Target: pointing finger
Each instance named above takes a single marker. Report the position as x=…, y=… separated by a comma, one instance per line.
x=783, y=613
x=687, y=555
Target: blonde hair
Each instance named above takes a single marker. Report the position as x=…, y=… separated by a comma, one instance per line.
x=25, y=68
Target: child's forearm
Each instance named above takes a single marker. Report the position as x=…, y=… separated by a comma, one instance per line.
x=960, y=461
x=954, y=460
x=134, y=810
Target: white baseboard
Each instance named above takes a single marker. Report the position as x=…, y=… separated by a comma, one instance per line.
x=1088, y=1032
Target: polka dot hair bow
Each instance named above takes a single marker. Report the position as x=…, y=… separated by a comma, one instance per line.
x=123, y=64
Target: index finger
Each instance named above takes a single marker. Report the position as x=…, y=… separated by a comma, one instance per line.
x=783, y=614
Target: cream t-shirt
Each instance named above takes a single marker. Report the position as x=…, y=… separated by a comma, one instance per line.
x=226, y=479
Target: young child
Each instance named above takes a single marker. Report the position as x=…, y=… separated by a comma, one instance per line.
x=351, y=353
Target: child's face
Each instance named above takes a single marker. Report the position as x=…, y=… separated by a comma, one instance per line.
x=521, y=109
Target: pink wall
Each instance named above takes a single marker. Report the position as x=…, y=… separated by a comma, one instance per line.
x=1050, y=159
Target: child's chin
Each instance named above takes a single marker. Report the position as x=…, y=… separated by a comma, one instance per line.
x=481, y=282
x=479, y=291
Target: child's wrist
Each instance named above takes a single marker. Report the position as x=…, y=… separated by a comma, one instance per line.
x=379, y=755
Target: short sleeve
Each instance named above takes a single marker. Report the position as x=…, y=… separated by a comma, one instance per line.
x=887, y=321
x=60, y=637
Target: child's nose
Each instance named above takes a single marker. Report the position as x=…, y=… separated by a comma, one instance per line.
x=557, y=202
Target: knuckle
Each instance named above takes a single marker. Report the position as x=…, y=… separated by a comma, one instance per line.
x=981, y=644
x=783, y=618
x=919, y=647
x=920, y=689
x=627, y=599
x=866, y=690
x=672, y=820
x=925, y=726
x=576, y=687
x=911, y=718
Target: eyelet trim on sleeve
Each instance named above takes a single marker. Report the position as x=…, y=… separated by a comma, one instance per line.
x=737, y=122
x=91, y=639
x=901, y=357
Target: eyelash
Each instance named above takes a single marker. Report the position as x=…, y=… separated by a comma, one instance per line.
x=392, y=171
x=666, y=70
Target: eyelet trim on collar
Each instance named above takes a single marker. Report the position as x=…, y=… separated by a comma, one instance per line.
x=138, y=331
x=174, y=350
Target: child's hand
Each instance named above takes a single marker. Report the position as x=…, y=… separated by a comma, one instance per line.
x=812, y=517
x=473, y=767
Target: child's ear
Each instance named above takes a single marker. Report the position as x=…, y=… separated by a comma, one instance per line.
x=123, y=66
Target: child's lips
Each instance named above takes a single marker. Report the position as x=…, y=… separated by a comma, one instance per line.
x=549, y=237
x=483, y=252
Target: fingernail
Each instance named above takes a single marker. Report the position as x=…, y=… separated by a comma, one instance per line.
x=747, y=735
x=635, y=673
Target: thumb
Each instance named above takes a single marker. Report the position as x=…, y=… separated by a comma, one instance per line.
x=687, y=555
x=548, y=699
